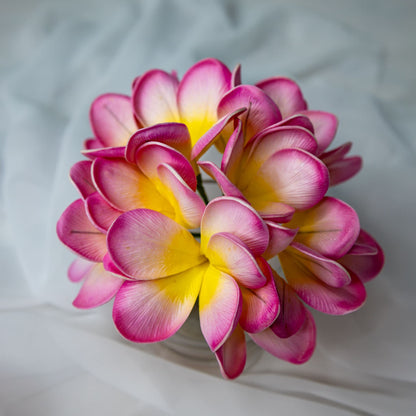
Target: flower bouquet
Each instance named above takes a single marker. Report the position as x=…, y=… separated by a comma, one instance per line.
x=146, y=234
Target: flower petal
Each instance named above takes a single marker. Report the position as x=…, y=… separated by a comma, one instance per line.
x=77, y=232
x=266, y=144
x=187, y=205
x=306, y=279
x=91, y=144
x=296, y=120
x=199, y=93
x=152, y=154
x=236, y=76
x=78, y=269
x=327, y=270
x=227, y=187
x=290, y=176
x=152, y=311
x=330, y=227
x=279, y=238
x=261, y=110
x=285, y=93
x=325, y=126
x=344, y=169
x=80, y=175
x=366, y=264
x=219, y=306
x=125, y=188
x=214, y=133
x=98, y=288
x=112, y=119
x=107, y=152
x=175, y=135
x=231, y=356
x=233, y=152
x=154, y=98
x=232, y=215
x=101, y=214
x=276, y=212
x=147, y=245
x=296, y=349
x=292, y=313
x=260, y=306
x=228, y=254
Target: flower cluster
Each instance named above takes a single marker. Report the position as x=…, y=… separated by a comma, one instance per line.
x=147, y=236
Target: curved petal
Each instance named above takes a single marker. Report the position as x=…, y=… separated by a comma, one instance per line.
x=327, y=270
x=290, y=176
x=260, y=306
x=112, y=119
x=187, y=205
x=154, y=98
x=313, y=291
x=292, y=313
x=344, y=169
x=279, y=238
x=366, y=264
x=91, y=144
x=296, y=349
x=219, y=307
x=147, y=245
x=325, y=126
x=330, y=227
x=107, y=152
x=175, y=135
x=233, y=153
x=336, y=154
x=228, y=254
x=276, y=212
x=231, y=356
x=226, y=186
x=297, y=120
x=236, y=76
x=78, y=269
x=234, y=216
x=77, y=232
x=214, y=133
x=101, y=214
x=261, y=110
x=152, y=311
x=125, y=188
x=80, y=175
x=278, y=138
x=99, y=287
x=285, y=93
x=199, y=93
x=152, y=154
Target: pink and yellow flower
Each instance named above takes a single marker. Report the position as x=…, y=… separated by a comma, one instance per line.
x=169, y=269
x=145, y=237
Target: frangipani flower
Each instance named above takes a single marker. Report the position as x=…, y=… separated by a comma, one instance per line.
x=287, y=95
x=169, y=269
x=144, y=237
x=161, y=179
x=159, y=97
x=277, y=173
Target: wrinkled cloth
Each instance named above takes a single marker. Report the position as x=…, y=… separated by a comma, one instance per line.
x=355, y=59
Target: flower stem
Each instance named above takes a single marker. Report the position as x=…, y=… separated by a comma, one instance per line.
x=200, y=188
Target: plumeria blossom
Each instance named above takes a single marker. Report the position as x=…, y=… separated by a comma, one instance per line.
x=169, y=269
x=147, y=237
x=161, y=179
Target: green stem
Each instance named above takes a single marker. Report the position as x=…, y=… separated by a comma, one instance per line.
x=200, y=188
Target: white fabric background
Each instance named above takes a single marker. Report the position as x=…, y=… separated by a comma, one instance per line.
x=354, y=58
